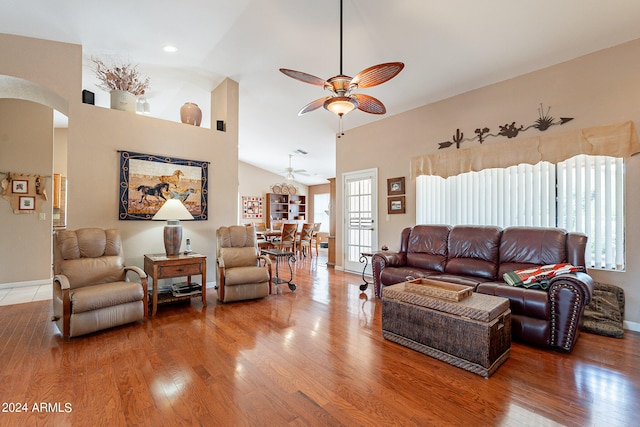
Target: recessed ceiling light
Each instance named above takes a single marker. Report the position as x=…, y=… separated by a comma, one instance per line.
x=170, y=48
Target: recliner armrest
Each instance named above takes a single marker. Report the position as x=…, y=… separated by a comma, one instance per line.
x=62, y=279
x=140, y=272
x=267, y=260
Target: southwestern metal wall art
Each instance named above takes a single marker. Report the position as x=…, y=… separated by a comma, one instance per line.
x=512, y=130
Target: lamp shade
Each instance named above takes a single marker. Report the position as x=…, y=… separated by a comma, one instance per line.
x=172, y=210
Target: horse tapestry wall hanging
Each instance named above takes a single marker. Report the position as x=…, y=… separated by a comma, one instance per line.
x=148, y=180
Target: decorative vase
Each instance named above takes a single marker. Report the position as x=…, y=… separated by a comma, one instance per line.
x=191, y=114
x=123, y=100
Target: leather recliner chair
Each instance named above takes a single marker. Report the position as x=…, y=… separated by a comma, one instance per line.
x=242, y=272
x=90, y=287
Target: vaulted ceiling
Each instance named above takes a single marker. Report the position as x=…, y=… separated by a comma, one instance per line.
x=448, y=47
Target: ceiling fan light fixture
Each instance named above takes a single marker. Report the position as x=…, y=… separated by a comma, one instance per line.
x=341, y=105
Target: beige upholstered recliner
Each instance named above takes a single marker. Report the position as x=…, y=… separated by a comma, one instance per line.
x=242, y=272
x=90, y=287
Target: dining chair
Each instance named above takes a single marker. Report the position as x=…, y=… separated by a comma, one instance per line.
x=315, y=239
x=287, y=237
x=304, y=239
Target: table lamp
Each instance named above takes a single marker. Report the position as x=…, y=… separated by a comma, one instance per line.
x=172, y=211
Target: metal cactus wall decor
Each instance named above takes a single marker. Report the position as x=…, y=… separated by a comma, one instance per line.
x=544, y=121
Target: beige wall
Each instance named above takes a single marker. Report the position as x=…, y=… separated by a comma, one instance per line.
x=93, y=139
x=596, y=89
x=254, y=181
x=60, y=138
x=26, y=134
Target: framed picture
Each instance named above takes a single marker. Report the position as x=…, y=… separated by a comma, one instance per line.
x=251, y=207
x=148, y=180
x=396, y=205
x=19, y=186
x=27, y=203
x=395, y=186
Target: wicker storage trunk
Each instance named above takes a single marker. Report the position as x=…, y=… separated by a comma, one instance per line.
x=472, y=334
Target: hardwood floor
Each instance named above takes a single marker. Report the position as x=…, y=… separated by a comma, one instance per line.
x=313, y=357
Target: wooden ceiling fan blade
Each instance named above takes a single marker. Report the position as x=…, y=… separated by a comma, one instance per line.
x=377, y=74
x=369, y=104
x=313, y=105
x=303, y=77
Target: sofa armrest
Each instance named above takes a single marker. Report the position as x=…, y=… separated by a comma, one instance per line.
x=379, y=261
x=568, y=295
x=392, y=259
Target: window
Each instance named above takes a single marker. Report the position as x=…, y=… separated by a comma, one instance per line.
x=584, y=193
x=321, y=211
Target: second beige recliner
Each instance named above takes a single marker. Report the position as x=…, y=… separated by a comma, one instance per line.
x=242, y=272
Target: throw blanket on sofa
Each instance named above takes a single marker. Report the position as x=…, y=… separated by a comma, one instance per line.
x=538, y=277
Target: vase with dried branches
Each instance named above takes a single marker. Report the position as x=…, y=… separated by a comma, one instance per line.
x=124, y=83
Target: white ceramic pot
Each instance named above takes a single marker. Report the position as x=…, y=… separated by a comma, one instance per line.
x=190, y=114
x=123, y=100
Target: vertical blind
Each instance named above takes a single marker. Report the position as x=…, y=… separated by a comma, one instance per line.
x=583, y=193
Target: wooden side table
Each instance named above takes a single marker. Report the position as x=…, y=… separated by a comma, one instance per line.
x=160, y=266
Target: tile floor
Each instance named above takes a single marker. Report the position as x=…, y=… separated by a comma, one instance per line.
x=25, y=294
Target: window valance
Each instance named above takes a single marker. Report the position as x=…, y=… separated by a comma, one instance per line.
x=615, y=140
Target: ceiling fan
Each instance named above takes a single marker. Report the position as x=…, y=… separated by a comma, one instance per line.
x=290, y=171
x=342, y=100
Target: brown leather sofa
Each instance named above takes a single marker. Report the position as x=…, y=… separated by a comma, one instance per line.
x=479, y=256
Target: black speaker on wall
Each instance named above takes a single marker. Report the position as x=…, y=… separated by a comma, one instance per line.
x=220, y=125
x=88, y=97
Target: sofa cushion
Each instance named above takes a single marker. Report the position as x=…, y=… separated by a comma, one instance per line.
x=473, y=251
x=427, y=247
x=393, y=275
x=472, y=281
x=526, y=302
x=526, y=247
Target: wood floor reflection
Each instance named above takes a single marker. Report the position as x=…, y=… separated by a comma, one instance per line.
x=312, y=357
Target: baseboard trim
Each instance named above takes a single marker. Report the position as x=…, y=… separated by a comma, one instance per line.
x=210, y=285
x=632, y=326
x=25, y=284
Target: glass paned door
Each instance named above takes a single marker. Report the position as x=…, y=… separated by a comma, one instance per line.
x=360, y=217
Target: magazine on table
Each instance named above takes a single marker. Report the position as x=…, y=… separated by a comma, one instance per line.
x=185, y=289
